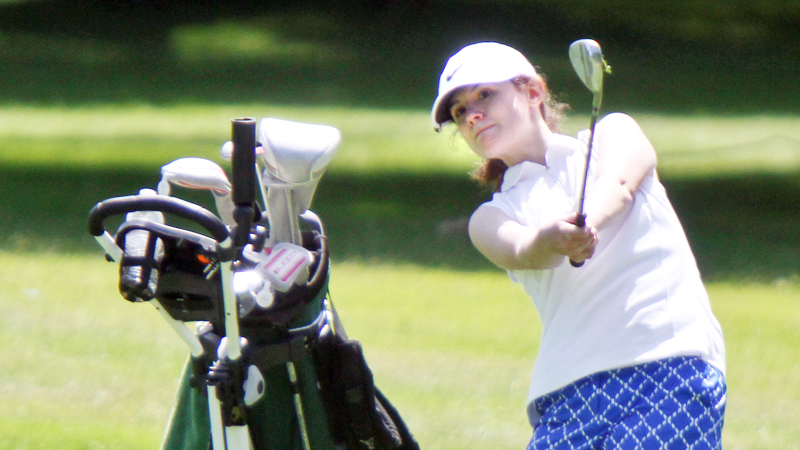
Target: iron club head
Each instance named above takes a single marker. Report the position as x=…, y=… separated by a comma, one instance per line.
x=194, y=173
x=587, y=60
x=200, y=173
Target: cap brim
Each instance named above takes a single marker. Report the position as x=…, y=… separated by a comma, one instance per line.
x=440, y=113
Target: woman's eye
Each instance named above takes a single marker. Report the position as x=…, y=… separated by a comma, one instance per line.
x=484, y=94
x=457, y=112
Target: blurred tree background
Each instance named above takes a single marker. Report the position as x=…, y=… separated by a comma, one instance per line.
x=732, y=56
x=678, y=58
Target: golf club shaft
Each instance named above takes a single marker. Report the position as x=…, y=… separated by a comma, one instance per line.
x=215, y=418
x=580, y=220
x=298, y=406
x=262, y=189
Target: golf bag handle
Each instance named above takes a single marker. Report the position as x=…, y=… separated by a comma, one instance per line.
x=162, y=230
x=181, y=208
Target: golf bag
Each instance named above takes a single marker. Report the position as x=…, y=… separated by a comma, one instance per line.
x=268, y=368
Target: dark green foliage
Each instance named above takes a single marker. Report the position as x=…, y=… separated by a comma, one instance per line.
x=687, y=56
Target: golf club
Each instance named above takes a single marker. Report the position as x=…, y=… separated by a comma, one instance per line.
x=295, y=157
x=200, y=173
x=587, y=60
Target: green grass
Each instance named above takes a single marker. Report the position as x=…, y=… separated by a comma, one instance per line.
x=372, y=140
x=713, y=146
x=147, y=137
x=81, y=368
x=760, y=323
x=78, y=369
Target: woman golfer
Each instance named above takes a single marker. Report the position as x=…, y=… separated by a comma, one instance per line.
x=631, y=355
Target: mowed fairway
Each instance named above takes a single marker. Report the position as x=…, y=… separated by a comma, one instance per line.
x=83, y=369
x=450, y=340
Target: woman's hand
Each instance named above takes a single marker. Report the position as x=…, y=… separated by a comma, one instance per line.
x=564, y=238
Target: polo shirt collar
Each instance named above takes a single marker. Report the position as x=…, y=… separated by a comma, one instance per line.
x=525, y=169
x=558, y=146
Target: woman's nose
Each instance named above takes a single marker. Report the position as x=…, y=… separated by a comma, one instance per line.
x=474, y=115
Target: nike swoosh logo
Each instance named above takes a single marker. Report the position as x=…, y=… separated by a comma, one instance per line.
x=453, y=72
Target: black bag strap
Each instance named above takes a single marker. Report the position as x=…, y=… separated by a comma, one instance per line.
x=360, y=415
x=370, y=426
x=407, y=439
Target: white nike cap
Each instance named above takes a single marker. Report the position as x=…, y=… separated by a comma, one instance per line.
x=484, y=62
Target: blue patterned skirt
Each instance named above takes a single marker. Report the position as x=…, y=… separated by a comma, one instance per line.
x=675, y=403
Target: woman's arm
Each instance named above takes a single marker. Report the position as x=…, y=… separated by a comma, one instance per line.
x=511, y=245
x=624, y=159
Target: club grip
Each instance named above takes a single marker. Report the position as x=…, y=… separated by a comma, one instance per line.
x=244, y=161
x=580, y=222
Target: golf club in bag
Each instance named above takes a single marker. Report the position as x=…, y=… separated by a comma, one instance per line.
x=270, y=364
x=587, y=60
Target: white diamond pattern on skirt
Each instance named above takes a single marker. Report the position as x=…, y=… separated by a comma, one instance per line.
x=677, y=403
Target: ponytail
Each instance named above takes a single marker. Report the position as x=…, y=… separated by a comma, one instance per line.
x=490, y=173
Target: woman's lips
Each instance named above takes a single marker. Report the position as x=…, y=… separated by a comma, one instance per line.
x=482, y=130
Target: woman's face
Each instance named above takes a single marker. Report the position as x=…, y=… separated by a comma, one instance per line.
x=496, y=119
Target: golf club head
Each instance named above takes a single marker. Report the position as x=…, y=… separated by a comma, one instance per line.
x=200, y=173
x=194, y=173
x=587, y=60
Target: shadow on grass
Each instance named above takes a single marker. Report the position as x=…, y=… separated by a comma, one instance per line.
x=739, y=228
x=743, y=227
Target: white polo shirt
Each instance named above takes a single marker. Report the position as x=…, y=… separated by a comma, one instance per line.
x=638, y=299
